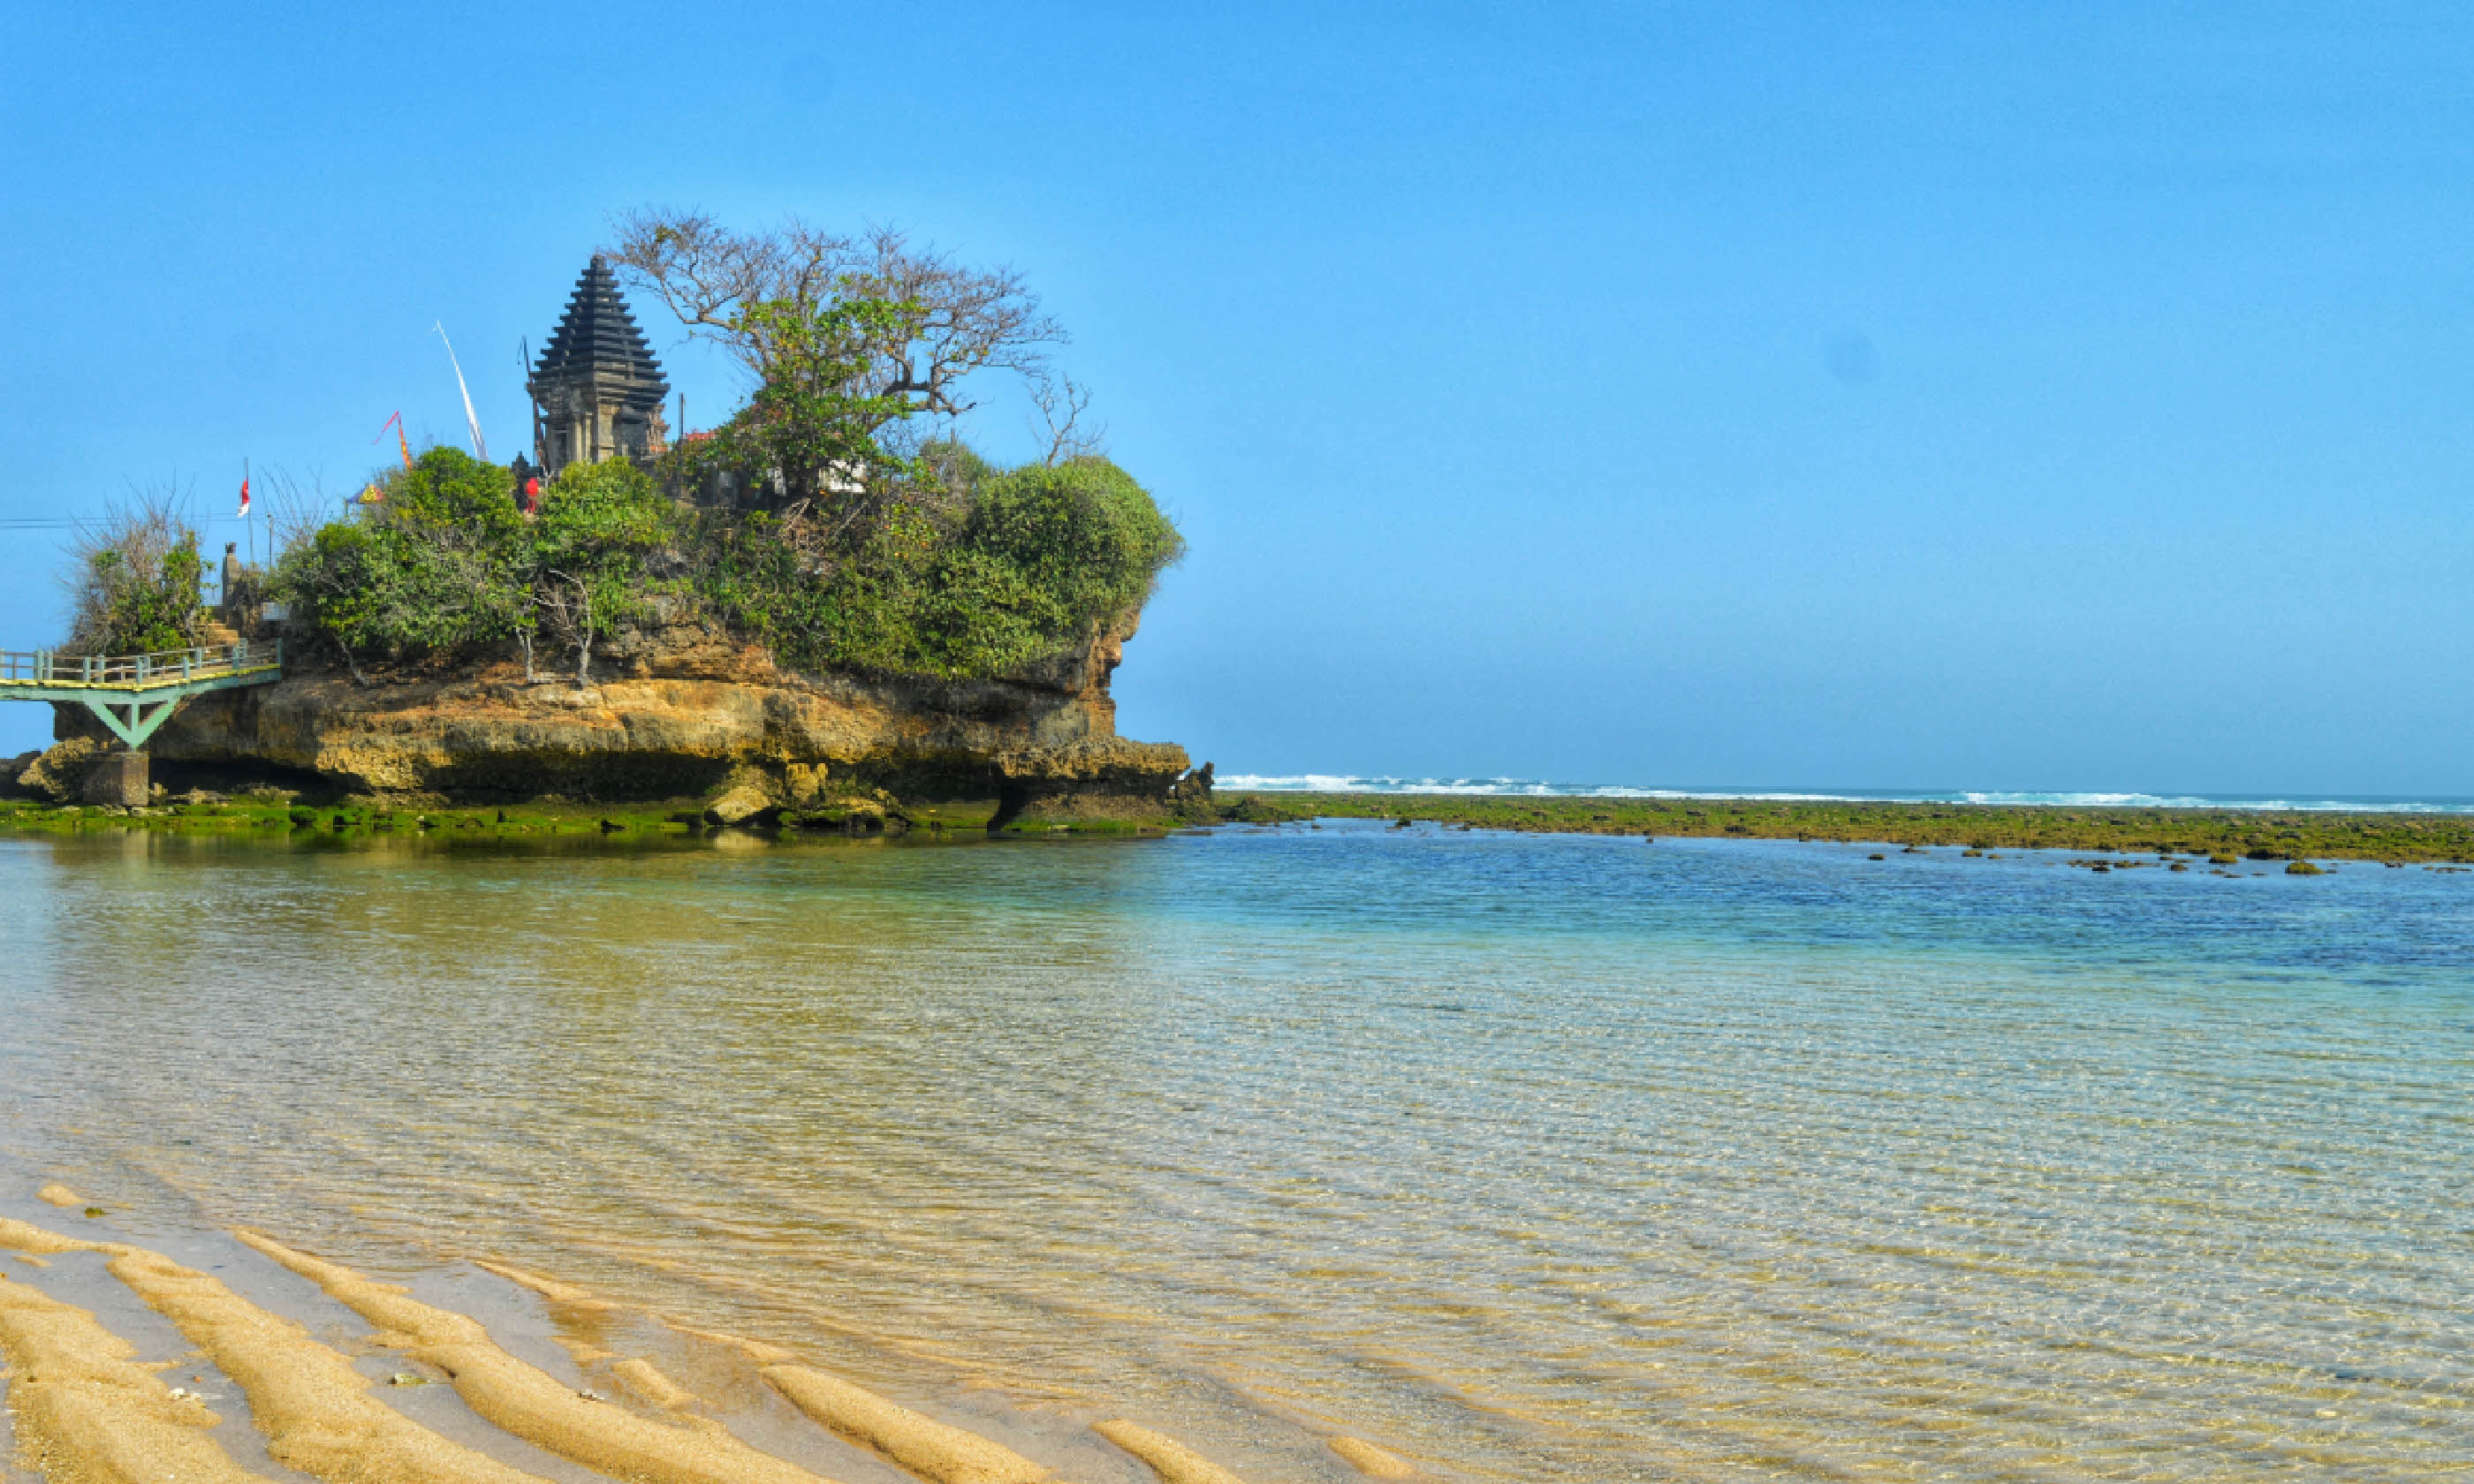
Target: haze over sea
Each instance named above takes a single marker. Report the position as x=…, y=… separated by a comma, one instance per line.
x=1533, y=1157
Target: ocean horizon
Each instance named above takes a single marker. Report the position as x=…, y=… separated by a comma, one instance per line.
x=2299, y=801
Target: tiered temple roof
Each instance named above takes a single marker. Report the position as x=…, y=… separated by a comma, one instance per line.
x=598, y=337
x=597, y=385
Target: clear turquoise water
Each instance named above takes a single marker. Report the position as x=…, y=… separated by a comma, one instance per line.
x=1536, y=1157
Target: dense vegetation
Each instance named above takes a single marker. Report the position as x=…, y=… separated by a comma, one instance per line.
x=2232, y=834
x=816, y=520
x=134, y=582
x=964, y=570
x=1008, y=568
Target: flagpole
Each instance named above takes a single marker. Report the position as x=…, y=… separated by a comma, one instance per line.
x=480, y=449
x=249, y=527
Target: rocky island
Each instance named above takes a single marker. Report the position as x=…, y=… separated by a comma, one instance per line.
x=827, y=610
x=683, y=709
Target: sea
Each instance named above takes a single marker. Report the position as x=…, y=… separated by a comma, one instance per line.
x=1538, y=788
x=1524, y=1157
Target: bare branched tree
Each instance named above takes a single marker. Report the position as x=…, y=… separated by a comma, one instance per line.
x=957, y=320
x=1061, y=401
x=709, y=274
x=296, y=507
x=969, y=319
x=565, y=605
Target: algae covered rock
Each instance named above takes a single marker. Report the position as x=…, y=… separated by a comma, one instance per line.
x=687, y=712
x=745, y=804
x=58, y=775
x=2303, y=868
x=10, y=786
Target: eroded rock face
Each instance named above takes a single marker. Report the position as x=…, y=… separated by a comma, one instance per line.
x=679, y=711
x=58, y=775
x=741, y=805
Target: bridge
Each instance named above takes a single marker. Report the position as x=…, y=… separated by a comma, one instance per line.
x=135, y=694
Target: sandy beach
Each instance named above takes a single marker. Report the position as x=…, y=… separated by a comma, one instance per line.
x=139, y=1349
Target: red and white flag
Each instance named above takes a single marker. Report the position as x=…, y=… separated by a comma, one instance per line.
x=244, y=495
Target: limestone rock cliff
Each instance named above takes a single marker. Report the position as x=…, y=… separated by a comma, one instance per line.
x=678, y=709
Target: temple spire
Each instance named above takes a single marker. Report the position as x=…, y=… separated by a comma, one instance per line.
x=597, y=385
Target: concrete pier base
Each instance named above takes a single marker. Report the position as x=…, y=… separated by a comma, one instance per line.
x=118, y=777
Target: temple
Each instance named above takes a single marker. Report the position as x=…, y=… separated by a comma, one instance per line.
x=596, y=390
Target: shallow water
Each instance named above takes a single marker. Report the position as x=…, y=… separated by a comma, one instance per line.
x=1533, y=1157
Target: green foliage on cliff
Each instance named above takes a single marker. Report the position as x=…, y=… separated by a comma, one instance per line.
x=134, y=587
x=1021, y=566
x=435, y=566
x=950, y=567
x=815, y=519
x=1082, y=534
x=445, y=564
x=596, y=535
x=810, y=427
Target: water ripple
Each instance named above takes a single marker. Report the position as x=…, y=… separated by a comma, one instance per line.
x=1537, y=1157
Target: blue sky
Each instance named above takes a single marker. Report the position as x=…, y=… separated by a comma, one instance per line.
x=1959, y=396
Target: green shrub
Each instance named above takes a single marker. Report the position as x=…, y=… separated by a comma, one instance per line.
x=585, y=558
x=449, y=494
x=135, y=589
x=147, y=610
x=435, y=565
x=594, y=514
x=1081, y=533
x=982, y=575
x=1038, y=558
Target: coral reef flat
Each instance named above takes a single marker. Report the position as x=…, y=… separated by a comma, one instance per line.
x=2251, y=834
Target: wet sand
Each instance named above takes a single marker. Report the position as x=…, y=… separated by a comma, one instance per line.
x=141, y=1350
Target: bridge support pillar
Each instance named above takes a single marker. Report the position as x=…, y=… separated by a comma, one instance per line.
x=118, y=777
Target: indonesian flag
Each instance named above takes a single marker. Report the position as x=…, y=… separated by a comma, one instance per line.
x=244, y=495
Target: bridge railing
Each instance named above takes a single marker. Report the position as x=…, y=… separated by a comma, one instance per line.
x=46, y=668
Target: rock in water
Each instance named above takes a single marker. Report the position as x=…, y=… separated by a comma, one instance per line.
x=684, y=711
x=741, y=806
x=59, y=774
x=10, y=786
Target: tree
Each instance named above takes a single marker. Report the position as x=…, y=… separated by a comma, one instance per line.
x=956, y=320
x=847, y=336
x=434, y=567
x=133, y=588
x=598, y=527
x=808, y=433
x=1060, y=402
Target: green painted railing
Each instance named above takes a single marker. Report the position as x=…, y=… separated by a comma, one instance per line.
x=121, y=688
x=164, y=667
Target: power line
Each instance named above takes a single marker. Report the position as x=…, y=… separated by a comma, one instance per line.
x=42, y=523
